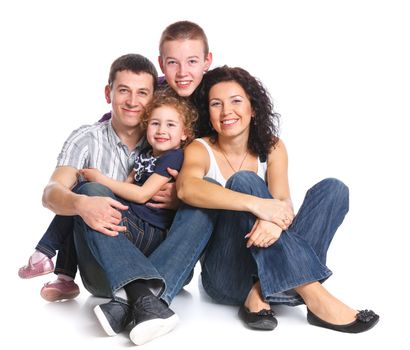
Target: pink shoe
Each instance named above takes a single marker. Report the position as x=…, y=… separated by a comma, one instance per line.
x=39, y=268
x=59, y=290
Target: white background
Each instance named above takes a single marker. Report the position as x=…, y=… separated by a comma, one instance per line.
x=339, y=74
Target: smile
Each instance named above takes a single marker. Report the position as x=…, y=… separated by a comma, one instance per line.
x=229, y=121
x=183, y=84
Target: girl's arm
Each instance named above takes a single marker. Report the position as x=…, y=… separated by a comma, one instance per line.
x=126, y=190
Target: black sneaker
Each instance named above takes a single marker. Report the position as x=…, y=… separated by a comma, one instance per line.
x=114, y=316
x=152, y=318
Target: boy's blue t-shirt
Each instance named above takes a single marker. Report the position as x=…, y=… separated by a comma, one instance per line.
x=146, y=165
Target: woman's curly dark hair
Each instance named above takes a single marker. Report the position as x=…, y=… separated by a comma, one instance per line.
x=264, y=127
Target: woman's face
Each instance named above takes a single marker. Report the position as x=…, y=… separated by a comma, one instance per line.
x=230, y=109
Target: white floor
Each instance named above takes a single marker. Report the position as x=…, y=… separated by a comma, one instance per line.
x=32, y=323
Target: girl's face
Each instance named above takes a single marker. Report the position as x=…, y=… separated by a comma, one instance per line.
x=165, y=130
x=230, y=109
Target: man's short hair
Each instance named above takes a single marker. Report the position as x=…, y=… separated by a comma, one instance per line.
x=135, y=63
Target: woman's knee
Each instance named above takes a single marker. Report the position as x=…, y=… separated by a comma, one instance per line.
x=244, y=181
x=336, y=189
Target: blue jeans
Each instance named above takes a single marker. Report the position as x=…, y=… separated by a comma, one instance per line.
x=229, y=269
x=109, y=263
x=59, y=237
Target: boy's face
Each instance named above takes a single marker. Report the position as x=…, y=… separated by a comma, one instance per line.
x=165, y=129
x=129, y=94
x=183, y=63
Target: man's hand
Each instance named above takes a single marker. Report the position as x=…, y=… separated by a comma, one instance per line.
x=166, y=197
x=102, y=214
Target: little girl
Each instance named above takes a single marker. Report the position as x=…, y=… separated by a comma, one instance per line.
x=168, y=121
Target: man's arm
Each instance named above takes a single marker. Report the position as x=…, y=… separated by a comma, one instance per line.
x=100, y=213
x=57, y=195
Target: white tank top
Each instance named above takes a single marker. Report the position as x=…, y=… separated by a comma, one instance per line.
x=215, y=173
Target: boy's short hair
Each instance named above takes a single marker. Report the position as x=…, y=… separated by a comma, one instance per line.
x=135, y=63
x=184, y=30
x=186, y=110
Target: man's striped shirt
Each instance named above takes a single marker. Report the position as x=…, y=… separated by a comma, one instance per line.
x=98, y=146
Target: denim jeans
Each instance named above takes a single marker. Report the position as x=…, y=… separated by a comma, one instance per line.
x=229, y=269
x=107, y=264
x=59, y=236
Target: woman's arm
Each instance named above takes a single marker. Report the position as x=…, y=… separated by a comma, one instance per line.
x=126, y=190
x=195, y=191
x=277, y=175
x=192, y=189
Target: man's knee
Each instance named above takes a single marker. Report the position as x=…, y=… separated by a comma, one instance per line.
x=94, y=189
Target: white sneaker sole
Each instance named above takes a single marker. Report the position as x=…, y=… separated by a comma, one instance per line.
x=103, y=321
x=148, y=330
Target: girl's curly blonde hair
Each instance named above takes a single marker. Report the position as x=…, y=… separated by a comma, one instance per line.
x=186, y=110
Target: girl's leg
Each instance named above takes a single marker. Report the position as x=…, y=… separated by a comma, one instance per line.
x=57, y=237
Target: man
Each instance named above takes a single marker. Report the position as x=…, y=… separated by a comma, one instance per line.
x=110, y=147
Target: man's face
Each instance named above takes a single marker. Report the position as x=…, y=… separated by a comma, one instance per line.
x=183, y=63
x=129, y=94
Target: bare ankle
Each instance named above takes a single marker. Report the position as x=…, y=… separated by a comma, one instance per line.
x=254, y=301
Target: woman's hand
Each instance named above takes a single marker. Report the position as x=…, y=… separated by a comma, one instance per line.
x=279, y=212
x=263, y=234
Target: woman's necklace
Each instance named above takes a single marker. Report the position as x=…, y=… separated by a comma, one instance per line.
x=240, y=166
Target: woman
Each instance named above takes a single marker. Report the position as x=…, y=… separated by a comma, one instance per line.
x=260, y=252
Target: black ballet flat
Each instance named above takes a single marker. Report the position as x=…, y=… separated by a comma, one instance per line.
x=365, y=319
x=262, y=320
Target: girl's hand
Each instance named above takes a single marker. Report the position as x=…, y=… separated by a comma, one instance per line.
x=263, y=234
x=92, y=174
